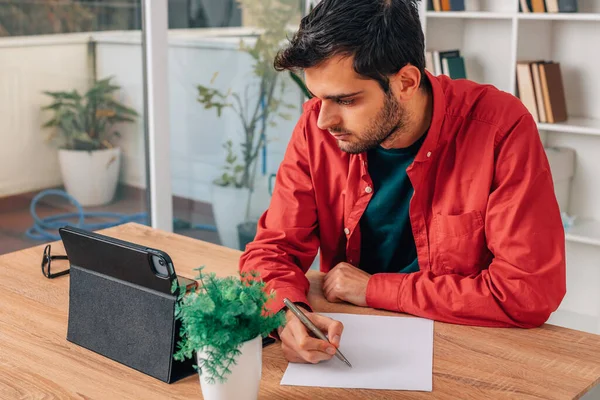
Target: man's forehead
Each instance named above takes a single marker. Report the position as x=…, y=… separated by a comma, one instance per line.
x=334, y=78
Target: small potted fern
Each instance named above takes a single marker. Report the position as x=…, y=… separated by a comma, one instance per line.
x=223, y=322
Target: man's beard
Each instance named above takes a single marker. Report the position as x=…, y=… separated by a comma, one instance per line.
x=386, y=125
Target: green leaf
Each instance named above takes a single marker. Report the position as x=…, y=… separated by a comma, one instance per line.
x=86, y=121
x=298, y=81
x=219, y=317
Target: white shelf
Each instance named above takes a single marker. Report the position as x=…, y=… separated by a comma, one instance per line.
x=583, y=126
x=586, y=232
x=510, y=15
x=470, y=14
x=561, y=16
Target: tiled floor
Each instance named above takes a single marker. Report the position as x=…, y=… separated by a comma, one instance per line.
x=15, y=217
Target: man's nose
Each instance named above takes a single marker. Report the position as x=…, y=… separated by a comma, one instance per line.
x=327, y=118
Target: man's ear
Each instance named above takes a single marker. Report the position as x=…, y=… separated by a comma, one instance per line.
x=406, y=82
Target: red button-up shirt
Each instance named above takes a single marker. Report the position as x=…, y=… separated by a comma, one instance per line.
x=486, y=223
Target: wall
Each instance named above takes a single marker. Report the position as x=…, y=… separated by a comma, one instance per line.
x=28, y=66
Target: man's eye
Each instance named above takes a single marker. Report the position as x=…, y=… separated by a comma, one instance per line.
x=345, y=102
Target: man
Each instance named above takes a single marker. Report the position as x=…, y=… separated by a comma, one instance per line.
x=425, y=195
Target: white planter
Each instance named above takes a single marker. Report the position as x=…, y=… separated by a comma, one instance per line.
x=261, y=197
x=229, y=208
x=244, y=381
x=90, y=176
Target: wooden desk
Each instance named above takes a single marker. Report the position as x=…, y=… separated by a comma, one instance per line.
x=36, y=361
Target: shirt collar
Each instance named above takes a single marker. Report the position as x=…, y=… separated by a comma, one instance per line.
x=439, y=110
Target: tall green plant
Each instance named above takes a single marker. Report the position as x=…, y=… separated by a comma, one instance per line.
x=86, y=121
x=219, y=316
x=260, y=104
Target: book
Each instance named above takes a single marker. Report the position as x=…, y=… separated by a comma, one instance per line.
x=454, y=67
x=445, y=5
x=437, y=63
x=554, y=93
x=526, y=88
x=552, y=6
x=539, y=95
x=525, y=6
x=449, y=53
x=457, y=5
x=438, y=56
x=472, y=5
x=567, y=6
x=429, y=65
x=437, y=5
x=538, y=6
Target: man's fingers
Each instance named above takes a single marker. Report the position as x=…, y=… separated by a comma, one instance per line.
x=332, y=327
x=309, y=343
x=329, y=278
x=335, y=333
x=309, y=348
x=299, y=346
x=304, y=341
x=312, y=357
x=305, y=348
x=290, y=354
x=331, y=296
x=315, y=357
x=290, y=348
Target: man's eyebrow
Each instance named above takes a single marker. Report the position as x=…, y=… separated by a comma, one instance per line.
x=337, y=96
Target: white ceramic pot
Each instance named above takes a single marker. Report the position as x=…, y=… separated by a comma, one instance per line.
x=244, y=381
x=90, y=176
x=261, y=196
x=229, y=208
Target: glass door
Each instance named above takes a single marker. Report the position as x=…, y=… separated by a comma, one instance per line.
x=72, y=118
x=231, y=114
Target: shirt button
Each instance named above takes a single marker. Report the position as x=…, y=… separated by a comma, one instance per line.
x=428, y=154
x=346, y=231
x=368, y=189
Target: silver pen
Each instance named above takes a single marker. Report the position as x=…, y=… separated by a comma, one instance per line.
x=317, y=332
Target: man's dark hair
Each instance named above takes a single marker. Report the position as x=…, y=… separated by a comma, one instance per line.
x=382, y=35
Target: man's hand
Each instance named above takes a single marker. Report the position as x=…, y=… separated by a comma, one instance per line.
x=346, y=283
x=299, y=347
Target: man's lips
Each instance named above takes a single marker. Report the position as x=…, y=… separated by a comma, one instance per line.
x=340, y=135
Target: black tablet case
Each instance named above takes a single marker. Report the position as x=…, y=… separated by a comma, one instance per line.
x=119, y=308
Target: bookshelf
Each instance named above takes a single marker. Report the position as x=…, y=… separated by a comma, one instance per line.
x=586, y=232
x=470, y=14
x=582, y=126
x=493, y=36
x=515, y=15
x=560, y=16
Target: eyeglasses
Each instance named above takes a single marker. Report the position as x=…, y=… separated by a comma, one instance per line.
x=47, y=262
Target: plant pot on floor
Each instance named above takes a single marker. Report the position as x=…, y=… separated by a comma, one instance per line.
x=246, y=233
x=244, y=381
x=229, y=208
x=91, y=177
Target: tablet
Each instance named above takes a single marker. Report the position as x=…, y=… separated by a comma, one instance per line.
x=130, y=262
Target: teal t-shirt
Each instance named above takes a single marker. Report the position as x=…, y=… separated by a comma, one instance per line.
x=387, y=243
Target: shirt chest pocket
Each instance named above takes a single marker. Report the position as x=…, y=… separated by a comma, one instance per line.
x=460, y=244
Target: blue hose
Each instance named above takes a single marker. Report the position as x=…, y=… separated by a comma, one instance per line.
x=41, y=226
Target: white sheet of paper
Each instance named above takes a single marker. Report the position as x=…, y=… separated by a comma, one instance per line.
x=393, y=353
